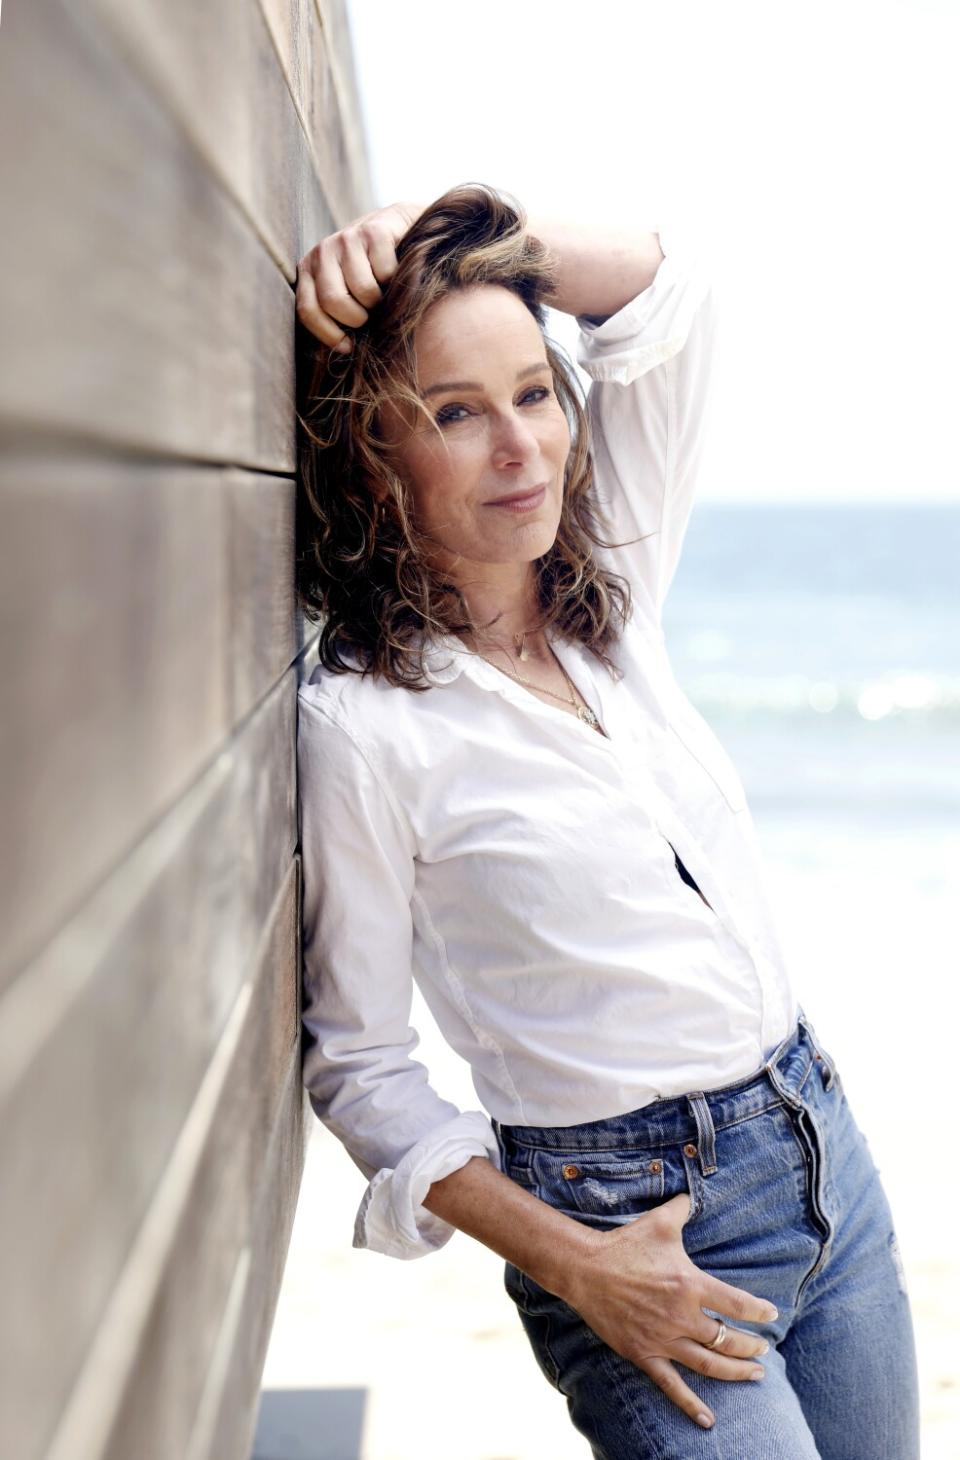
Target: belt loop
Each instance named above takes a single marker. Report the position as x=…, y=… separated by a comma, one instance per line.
x=829, y=1072
x=706, y=1136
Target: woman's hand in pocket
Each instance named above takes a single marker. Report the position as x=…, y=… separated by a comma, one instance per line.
x=639, y=1291
x=338, y=281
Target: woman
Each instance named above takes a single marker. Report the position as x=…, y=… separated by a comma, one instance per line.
x=505, y=796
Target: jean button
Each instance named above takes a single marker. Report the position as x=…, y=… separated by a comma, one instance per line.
x=689, y=1149
x=570, y=1171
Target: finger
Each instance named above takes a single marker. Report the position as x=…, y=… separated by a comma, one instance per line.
x=314, y=316
x=678, y=1208
x=358, y=274
x=738, y=1342
x=734, y=1301
x=712, y=1363
x=311, y=316
x=381, y=250
x=665, y=1376
x=333, y=296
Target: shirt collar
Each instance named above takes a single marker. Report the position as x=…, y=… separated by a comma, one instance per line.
x=446, y=658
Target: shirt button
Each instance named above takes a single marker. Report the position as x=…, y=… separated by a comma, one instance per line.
x=689, y=1149
x=570, y=1171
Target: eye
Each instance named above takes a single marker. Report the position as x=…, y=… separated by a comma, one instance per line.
x=448, y=414
x=535, y=396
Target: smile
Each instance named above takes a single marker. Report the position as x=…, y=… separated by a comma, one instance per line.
x=524, y=503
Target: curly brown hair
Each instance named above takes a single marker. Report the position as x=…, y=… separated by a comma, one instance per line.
x=362, y=571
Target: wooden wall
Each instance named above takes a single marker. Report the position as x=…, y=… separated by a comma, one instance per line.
x=163, y=165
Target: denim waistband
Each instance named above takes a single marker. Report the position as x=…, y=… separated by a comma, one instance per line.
x=696, y=1114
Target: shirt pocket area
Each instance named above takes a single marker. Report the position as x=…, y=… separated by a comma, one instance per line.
x=605, y=1188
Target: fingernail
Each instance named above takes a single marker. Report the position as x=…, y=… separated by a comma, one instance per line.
x=765, y=1349
x=771, y=1314
x=343, y=347
x=705, y=1420
x=758, y=1373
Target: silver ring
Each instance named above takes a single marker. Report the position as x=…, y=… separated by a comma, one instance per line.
x=720, y=1339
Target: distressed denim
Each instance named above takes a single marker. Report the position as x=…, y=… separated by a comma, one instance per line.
x=786, y=1203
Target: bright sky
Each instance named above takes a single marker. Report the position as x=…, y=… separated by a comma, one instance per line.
x=807, y=147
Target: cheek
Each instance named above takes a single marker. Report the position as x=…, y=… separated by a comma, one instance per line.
x=559, y=435
x=441, y=486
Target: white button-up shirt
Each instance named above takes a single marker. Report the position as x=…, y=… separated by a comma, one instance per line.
x=519, y=865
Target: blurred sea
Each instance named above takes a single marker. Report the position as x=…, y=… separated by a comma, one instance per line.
x=822, y=643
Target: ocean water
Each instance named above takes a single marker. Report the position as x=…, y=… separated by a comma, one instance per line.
x=823, y=646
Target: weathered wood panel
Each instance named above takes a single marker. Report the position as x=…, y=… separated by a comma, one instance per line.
x=114, y=584
x=162, y=166
x=107, y=1039
x=157, y=602
x=318, y=63
x=145, y=1376
x=227, y=1416
x=262, y=614
x=138, y=304
x=261, y=152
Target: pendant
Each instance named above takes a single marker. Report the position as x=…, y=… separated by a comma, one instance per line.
x=523, y=653
x=585, y=713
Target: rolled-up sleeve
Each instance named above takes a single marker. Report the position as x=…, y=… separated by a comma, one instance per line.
x=358, y=880
x=649, y=367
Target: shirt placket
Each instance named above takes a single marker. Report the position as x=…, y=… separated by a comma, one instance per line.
x=634, y=752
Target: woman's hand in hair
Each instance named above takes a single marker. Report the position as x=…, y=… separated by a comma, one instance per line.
x=338, y=281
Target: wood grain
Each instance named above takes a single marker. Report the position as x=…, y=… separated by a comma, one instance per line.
x=108, y=1038
x=158, y=605
x=138, y=305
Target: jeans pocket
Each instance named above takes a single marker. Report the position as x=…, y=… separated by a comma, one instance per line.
x=606, y=1187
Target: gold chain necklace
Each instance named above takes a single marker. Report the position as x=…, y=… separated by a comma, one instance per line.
x=584, y=712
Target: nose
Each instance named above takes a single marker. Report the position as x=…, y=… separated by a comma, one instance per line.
x=514, y=441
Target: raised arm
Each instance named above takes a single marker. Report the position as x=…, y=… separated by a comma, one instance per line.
x=647, y=319
x=599, y=270
x=651, y=368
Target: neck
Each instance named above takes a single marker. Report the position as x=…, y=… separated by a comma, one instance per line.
x=511, y=602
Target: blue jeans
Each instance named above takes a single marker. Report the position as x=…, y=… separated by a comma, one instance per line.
x=787, y=1204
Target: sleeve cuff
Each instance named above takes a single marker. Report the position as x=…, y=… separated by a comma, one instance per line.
x=391, y=1218
x=651, y=327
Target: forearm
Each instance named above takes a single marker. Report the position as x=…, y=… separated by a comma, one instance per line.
x=548, y=1246
x=599, y=270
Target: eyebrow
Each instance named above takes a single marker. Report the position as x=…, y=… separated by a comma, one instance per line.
x=473, y=385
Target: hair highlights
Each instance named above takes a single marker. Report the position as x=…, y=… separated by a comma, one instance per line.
x=363, y=571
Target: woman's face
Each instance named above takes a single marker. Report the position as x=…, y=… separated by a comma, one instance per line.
x=501, y=431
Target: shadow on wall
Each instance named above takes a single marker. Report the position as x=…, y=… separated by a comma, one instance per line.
x=309, y=1424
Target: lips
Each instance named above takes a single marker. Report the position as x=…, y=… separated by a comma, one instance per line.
x=516, y=497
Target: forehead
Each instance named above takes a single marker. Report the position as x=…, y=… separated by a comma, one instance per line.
x=485, y=325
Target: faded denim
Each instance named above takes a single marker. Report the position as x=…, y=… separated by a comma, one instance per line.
x=787, y=1204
